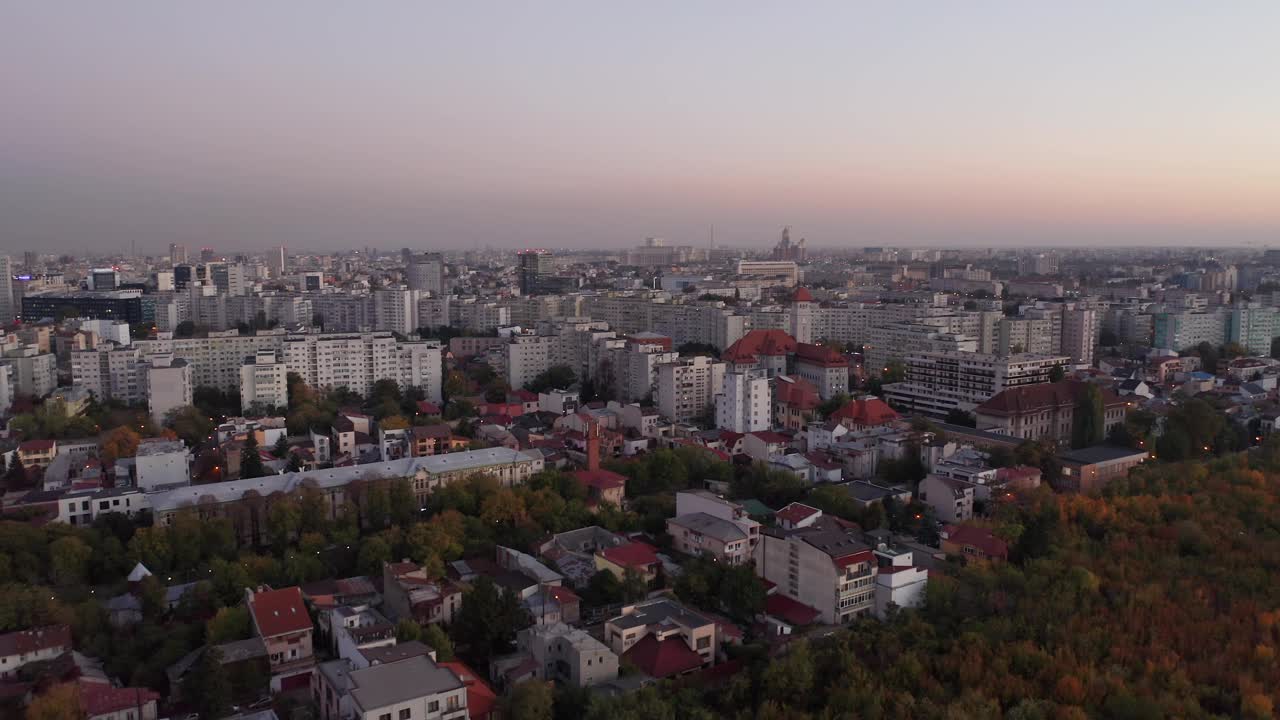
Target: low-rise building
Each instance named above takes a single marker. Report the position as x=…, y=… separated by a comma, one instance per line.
x=951, y=498
x=819, y=561
x=415, y=688
x=1089, y=469
x=567, y=655
x=280, y=618
x=973, y=542
x=28, y=646
x=663, y=638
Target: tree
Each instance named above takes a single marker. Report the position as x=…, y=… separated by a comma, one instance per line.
x=281, y=448
x=16, y=475
x=191, y=425
x=393, y=422
x=1208, y=357
x=374, y=552
x=1056, y=373
x=530, y=700
x=69, y=560
x=408, y=630
x=119, y=442
x=208, y=686
x=1275, y=348
x=486, y=623
x=1088, y=419
x=438, y=640
x=227, y=625
x=956, y=416
x=557, y=377
x=184, y=329
x=251, y=465
x=832, y=404
x=1107, y=338
x=61, y=702
x=895, y=371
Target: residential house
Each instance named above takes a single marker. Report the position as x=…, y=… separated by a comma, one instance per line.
x=567, y=655
x=415, y=688
x=795, y=402
x=701, y=534
x=35, y=645
x=663, y=638
x=974, y=542
x=408, y=592
x=764, y=444
x=638, y=557
x=951, y=499
x=280, y=619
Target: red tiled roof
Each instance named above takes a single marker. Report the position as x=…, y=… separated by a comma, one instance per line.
x=795, y=512
x=633, y=555
x=799, y=393
x=277, y=612
x=759, y=342
x=102, y=699
x=1039, y=397
x=36, y=446
x=802, y=294
x=563, y=594
x=600, y=479
x=866, y=411
x=854, y=558
x=790, y=611
x=978, y=537
x=770, y=436
x=820, y=355
x=428, y=408
x=481, y=700
x=34, y=640
x=662, y=658
x=1018, y=472
x=525, y=396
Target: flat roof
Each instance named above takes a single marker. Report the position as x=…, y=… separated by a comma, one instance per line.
x=1100, y=454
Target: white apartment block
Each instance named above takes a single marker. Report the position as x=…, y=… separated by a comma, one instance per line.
x=396, y=310
x=631, y=367
x=688, y=387
x=35, y=373
x=821, y=564
x=896, y=341
x=744, y=404
x=1182, y=329
x=215, y=360
x=111, y=372
x=264, y=384
x=938, y=382
x=529, y=355
x=352, y=361
x=169, y=385
x=422, y=366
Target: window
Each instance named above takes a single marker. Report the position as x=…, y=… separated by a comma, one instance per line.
x=384, y=716
x=704, y=643
x=405, y=713
x=433, y=706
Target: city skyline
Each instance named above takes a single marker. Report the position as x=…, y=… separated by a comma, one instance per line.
x=580, y=126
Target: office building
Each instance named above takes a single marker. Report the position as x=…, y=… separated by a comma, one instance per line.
x=177, y=254
x=122, y=305
x=533, y=268
x=426, y=273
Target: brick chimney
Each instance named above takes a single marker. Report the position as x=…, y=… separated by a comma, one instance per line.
x=593, y=445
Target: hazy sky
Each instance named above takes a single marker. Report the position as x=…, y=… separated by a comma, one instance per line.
x=592, y=124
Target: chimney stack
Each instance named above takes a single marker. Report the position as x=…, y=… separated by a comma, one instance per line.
x=593, y=445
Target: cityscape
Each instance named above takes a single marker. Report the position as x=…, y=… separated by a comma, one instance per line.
x=293, y=431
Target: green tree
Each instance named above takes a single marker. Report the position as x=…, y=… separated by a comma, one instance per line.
x=1208, y=357
x=251, y=465
x=1088, y=419
x=374, y=552
x=207, y=686
x=486, y=623
x=437, y=639
x=227, y=625
x=281, y=448
x=1057, y=373
x=189, y=424
x=557, y=377
x=530, y=700
x=69, y=560
x=408, y=630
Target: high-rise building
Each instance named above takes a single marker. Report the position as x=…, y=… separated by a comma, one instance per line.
x=8, y=308
x=177, y=254
x=687, y=388
x=534, y=266
x=744, y=405
x=103, y=279
x=280, y=260
x=169, y=385
x=939, y=382
x=207, y=255
x=426, y=272
x=30, y=259
x=395, y=309
x=786, y=250
x=263, y=383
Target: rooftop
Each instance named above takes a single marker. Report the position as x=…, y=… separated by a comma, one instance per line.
x=1101, y=453
x=378, y=686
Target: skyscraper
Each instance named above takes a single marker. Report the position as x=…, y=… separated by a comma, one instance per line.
x=177, y=254
x=30, y=259
x=534, y=265
x=281, y=261
x=7, y=309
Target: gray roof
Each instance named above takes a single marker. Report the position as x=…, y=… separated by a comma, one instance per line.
x=395, y=653
x=662, y=611
x=233, y=490
x=1100, y=453
x=381, y=685
x=711, y=526
x=869, y=492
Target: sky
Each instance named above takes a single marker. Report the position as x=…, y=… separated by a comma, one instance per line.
x=329, y=125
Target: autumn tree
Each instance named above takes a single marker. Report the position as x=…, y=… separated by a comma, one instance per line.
x=61, y=702
x=119, y=442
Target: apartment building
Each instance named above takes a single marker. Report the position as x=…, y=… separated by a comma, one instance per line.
x=951, y=498
x=819, y=561
x=355, y=361
x=1182, y=329
x=744, y=404
x=214, y=360
x=896, y=341
x=938, y=382
x=422, y=366
x=23, y=647
x=264, y=383
x=35, y=373
x=111, y=372
x=630, y=365
x=687, y=388
x=704, y=502
x=169, y=385
x=395, y=310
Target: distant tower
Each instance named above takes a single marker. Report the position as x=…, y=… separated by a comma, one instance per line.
x=282, y=261
x=177, y=254
x=533, y=266
x=802, y=315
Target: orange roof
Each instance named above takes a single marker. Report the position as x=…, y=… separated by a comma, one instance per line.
x=633, y=555
x=820, y=355
x=802, y=294
x=795, y=512
x=866, y=411
x=663, y=658
x=798, y=393
x=1040, y=397
x=600, y=479
x=759, y=342
x=481, y=699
